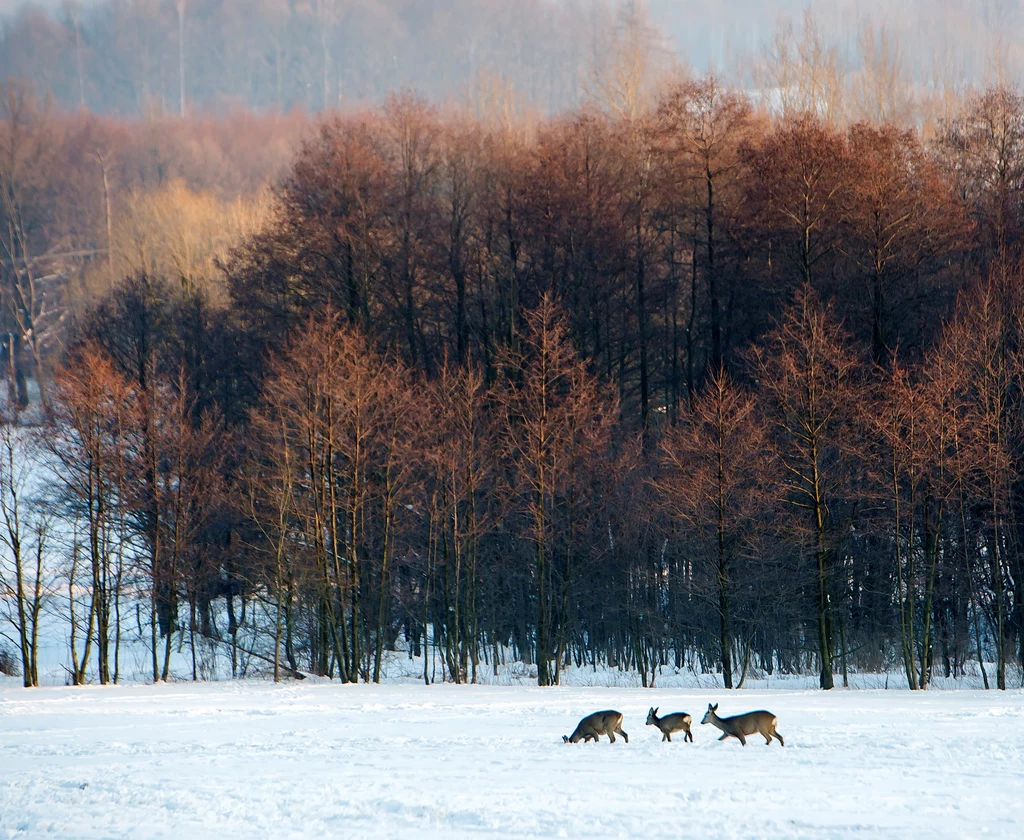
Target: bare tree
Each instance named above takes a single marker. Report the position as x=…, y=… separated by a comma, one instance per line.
x=705, y=125
x=459, y=443
x=904, y=225
x=800, y=190
x=802, y=73
x=984, y=147
x=714, y=481
x=24, y=544
x=190, y=457
x=95, y=425
x=626, y=60
x=29, y=278
x=270, y=480
x=555, y=419
x=411, y=148
x=881, y=88
x=982, y=343
x=340, y=408
x=808, y=379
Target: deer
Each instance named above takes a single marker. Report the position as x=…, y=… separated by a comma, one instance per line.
x=593, y=726
x=739, y=726
x=675, y=722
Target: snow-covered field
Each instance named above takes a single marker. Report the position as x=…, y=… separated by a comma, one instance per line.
x=251, y=759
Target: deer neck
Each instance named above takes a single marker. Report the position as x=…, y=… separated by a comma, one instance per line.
x=718, y=723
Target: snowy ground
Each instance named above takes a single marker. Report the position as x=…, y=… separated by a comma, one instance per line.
x=251, y=759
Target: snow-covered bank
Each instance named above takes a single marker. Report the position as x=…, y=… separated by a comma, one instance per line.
x=318, y=759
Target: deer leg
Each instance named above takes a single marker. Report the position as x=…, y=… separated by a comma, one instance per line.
x=611, y=736
x=667, y=736
x=743, y=739
x=689, y=736
x=777, y=735
x=726, y=735
x=625, y=737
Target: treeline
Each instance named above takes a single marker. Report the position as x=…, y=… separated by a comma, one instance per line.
x=694, y=387
x=176, y=56
x=137, y=57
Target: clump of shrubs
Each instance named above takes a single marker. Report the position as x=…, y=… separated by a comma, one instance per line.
x=9, y=664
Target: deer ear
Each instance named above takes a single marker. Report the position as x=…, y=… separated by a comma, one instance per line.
x=656, y=709
x=714, y=708
x=565, y=739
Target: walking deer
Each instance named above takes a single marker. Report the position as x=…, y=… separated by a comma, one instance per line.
x=593, y=726
x=739, y=726
x=675, y=722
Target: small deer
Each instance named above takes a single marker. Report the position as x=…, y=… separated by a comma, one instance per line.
x=739, y=726
x=675, y=722
x=595, y=725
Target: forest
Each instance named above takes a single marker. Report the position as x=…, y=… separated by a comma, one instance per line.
x=676, y=377
x=132, y=57
x=129, y=57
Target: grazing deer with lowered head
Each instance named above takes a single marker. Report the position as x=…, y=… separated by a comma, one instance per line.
x=675, y=722
x=739, y=726
x=595, y=725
